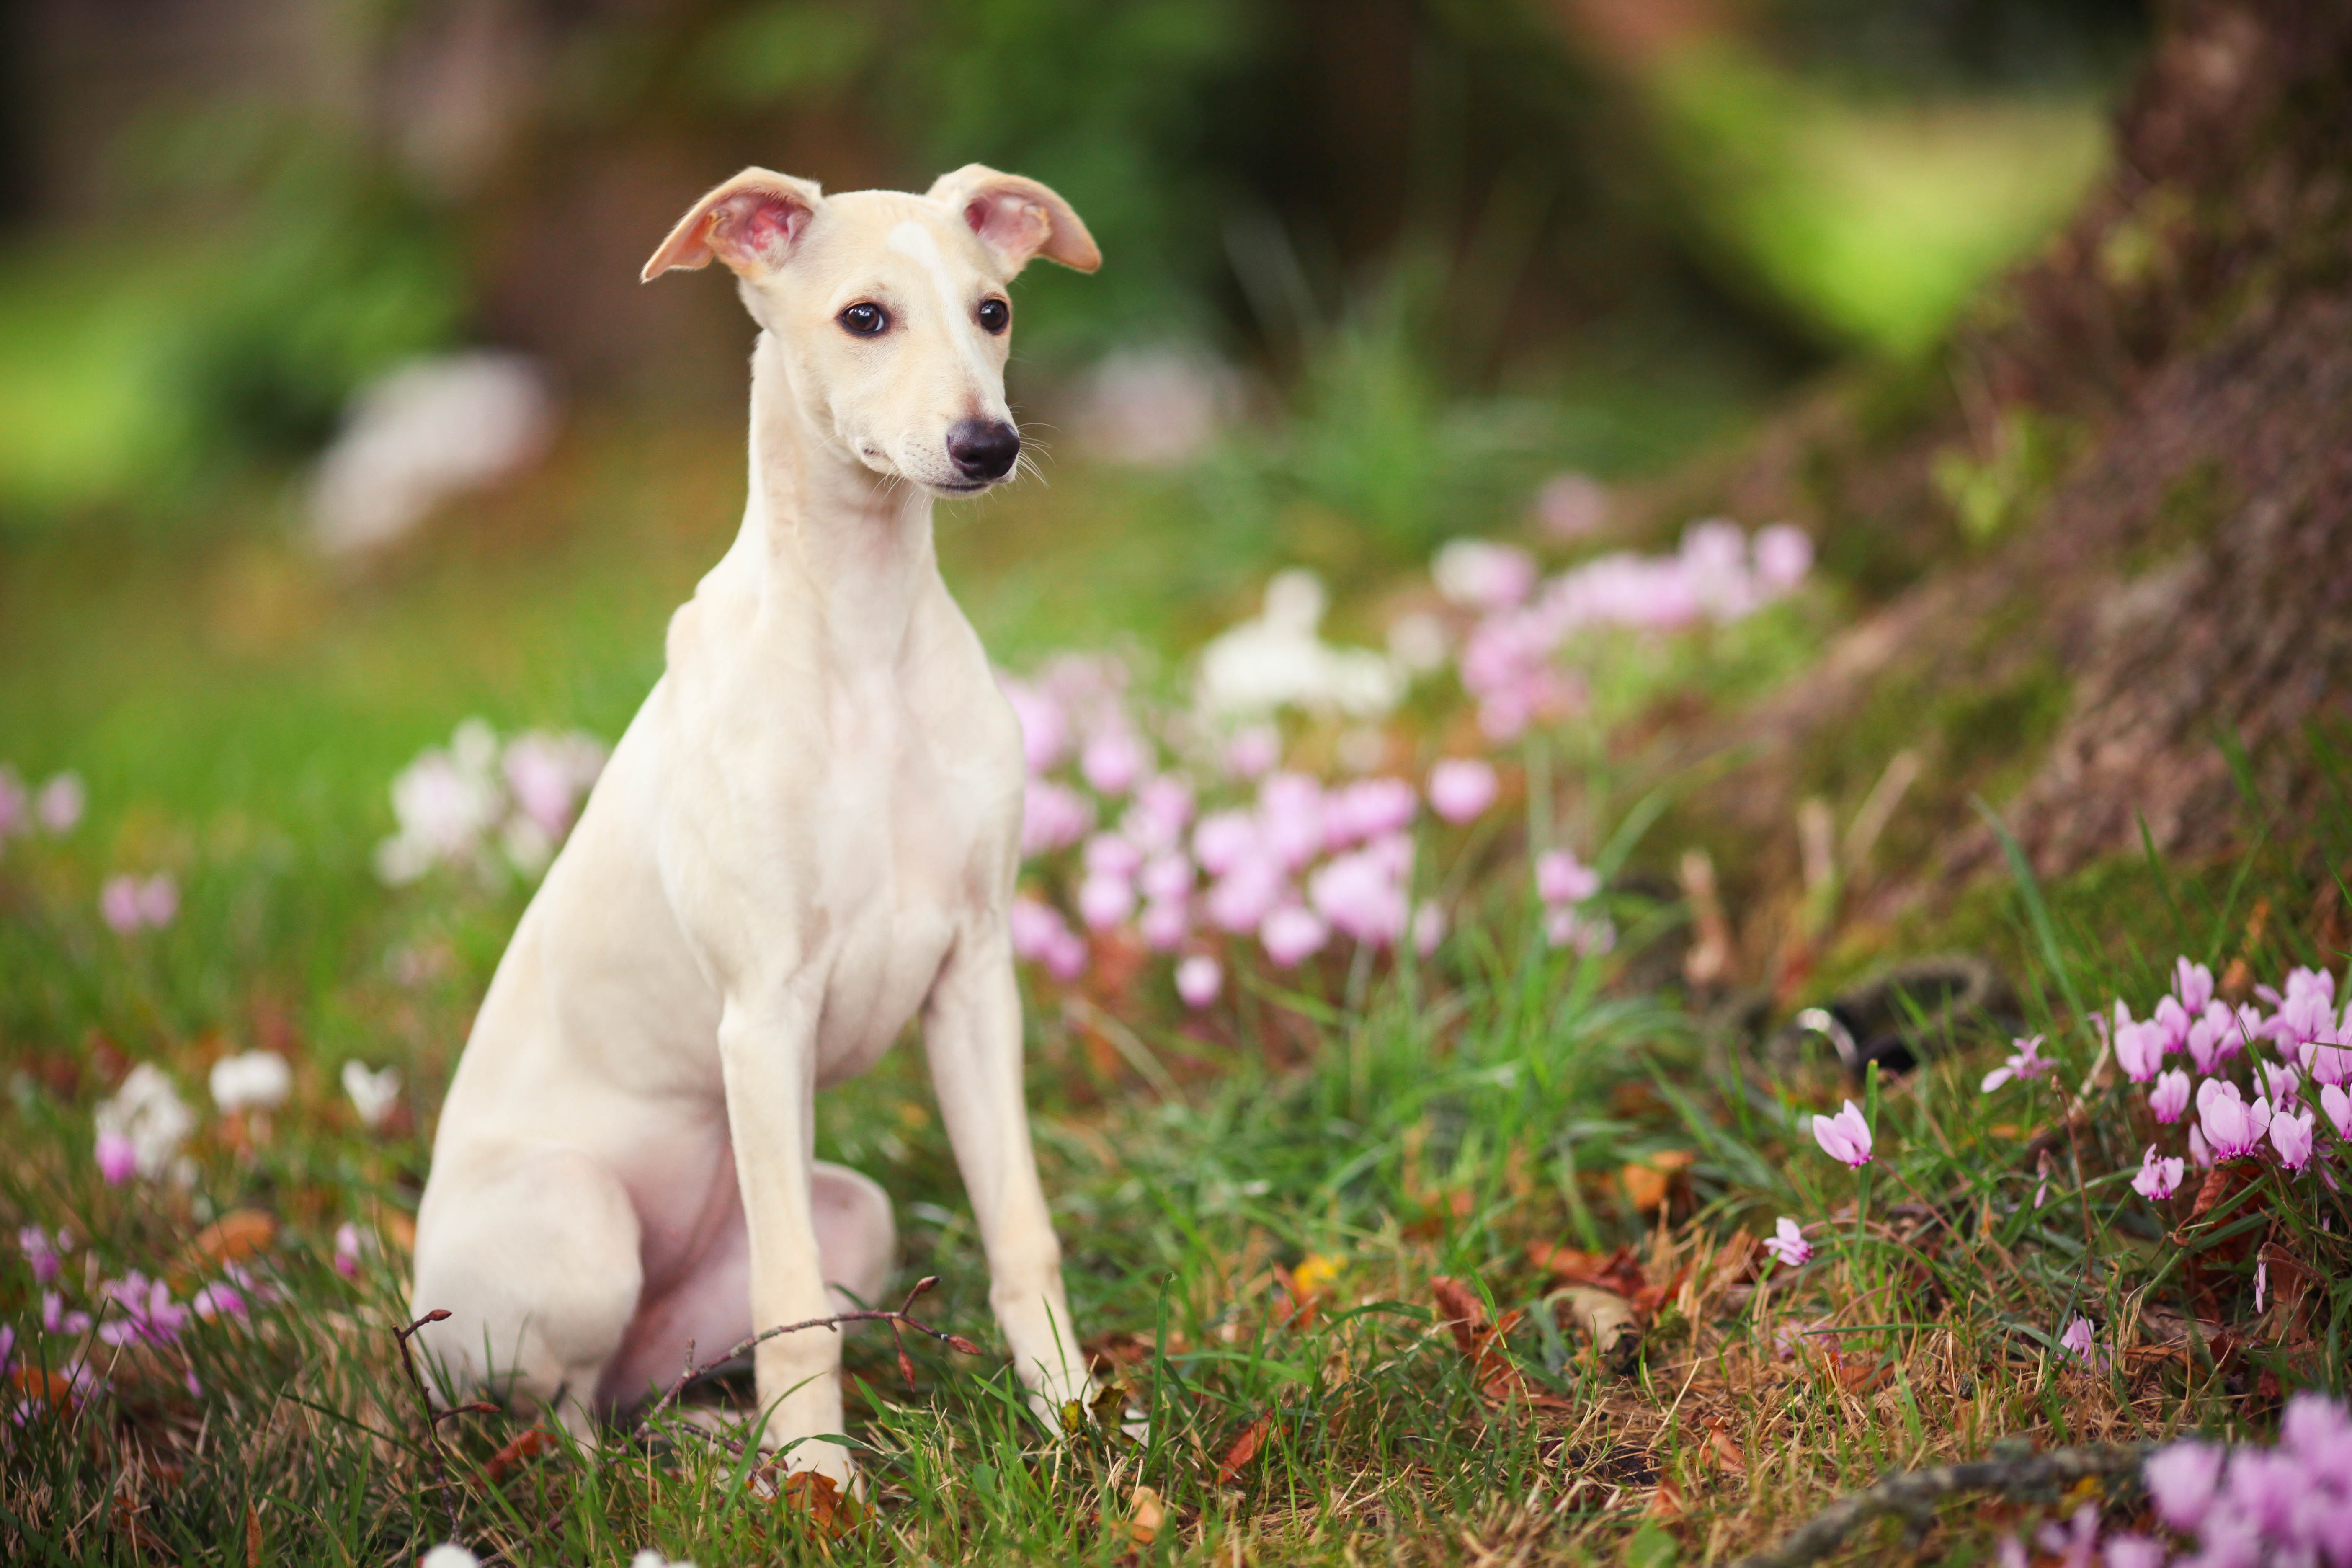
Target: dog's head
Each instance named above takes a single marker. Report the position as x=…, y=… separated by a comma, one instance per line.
x=891, y=308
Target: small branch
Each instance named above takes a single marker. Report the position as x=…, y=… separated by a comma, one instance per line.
x=898, y=1319
x=431, y=1421
x=1914, y=1492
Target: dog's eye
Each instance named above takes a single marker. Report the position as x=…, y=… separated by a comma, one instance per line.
x=863, y=320
x=995, y=315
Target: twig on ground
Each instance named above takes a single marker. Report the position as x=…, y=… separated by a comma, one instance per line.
x=431, y=1421
x=1916, y=1491
x=898, y=1319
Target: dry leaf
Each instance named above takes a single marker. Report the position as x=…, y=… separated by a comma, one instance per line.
x=1650, y=1181
x=1480, y=1341
x=232, y=1239
x=821, y=1498
x=1618, y=1271
x=1145, y=1512
x=1244, y=1449
x=1666, y=1502
x=252, y=1537
x=525, y=1447
x=1603, y=1318
x=1719, y=1443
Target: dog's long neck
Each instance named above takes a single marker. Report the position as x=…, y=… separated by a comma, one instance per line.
x=837, y=542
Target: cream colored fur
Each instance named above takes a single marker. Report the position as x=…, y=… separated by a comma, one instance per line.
x=808, y=835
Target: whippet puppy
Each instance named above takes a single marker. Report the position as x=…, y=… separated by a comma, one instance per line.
x=809, y=833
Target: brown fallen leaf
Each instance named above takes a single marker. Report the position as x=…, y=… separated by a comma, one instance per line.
x=1666, y=1502
x=525, y=1447
x=232, y=1239
x=1145, y=1512
x=1720, y=1443
x=1480, y=1343
x=1618, y=1271
x=1650, y=1181
x=1244, y=1448
x=252, y=1537
x=821, y=1500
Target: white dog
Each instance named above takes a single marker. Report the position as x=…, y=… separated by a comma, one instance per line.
x=810, y=832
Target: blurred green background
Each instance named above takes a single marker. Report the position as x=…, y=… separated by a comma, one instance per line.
x=1405, y=259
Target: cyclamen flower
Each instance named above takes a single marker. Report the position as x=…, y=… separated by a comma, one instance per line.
x=1561, y=878
x=1428, y=927
x=1199, y=979
x=1845, y=1136
x=1292, y=933
x=1052, y=816
x=2077, y=1342
x=128, y=904
x=2024, y=1064
x=2339, y=1106
x=1040, y=934
x=60, y=804
x=1115, y=760
x=1461, y=789
x=2158, y=1179
x=255, y=1080
x=2140, y=1048
x=1788, y=1243
x=373, y=1093
x=2291, y=1137
x=141, y=1126
x=42, y=1255
x=2169, y=1097
x=2233, y=1129
x=347, y=1250
x=2193, y=983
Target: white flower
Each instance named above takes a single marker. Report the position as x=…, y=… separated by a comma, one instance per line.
x=373, y=1093
x=256, y=1081
x=449, y=1554
x=648, y=1558
x=148, y=1113
x=1277, y=660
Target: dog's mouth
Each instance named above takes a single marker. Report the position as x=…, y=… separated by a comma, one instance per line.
x=963, y=487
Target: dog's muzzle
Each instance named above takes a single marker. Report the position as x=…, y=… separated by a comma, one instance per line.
x=982, y=449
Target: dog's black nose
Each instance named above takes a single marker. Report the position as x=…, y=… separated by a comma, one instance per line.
x=983, y=448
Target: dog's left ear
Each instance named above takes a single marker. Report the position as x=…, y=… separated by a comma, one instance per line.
x=1017, y=219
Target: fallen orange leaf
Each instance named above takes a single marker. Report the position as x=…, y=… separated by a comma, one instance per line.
x=1244, y=1449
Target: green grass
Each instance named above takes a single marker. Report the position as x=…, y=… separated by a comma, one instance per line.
x=237, y=714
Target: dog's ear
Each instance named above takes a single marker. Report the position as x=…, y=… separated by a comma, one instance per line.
x=1017, y=219
x=750, y=222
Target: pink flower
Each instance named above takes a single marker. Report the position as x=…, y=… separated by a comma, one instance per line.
x=2291, y=1137
x=1292, y=933
x=347, y=1250
x=2076, y=1342
x=1461, y=788
x=1784, y=554
x=2326, y=1059
x=1571, y=506
x=60, y=804
x=1564, y=927
x=1291, y=822
x=2169, y=1097
x=1480, y=576
x=1241, y=900
x=1162, y=807
x=1199, y=979
x=1166, y=879
x=1368, y=808
x=1252, y=753
x=2193, y=983
x=2024, y=1064
x=1845, y=1136
x=2339, y=1106
x=40, y=1254
x=1044, y=726
x=2172, y=1019
x=1362, y=894
x=2199, y=1155
x=1223, y=840
x=2139, y=1049
x=117, y=904
x=1038, y=933
x=1164, y=924
x=1052, y=816
x=118, y=1158
x=2158, y=1179
x=2217, y=1034
x=1428, y=928
x=1105, y=900
x=2261, y=1283
x=1560, y=879
x=1115, y=760
x=2233, y=1129
x=1788, y=1243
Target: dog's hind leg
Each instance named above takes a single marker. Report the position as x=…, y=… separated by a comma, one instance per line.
x=535, y=1257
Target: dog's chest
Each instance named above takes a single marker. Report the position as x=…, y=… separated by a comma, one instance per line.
x=901, y=839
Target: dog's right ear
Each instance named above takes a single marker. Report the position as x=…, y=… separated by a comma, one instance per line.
x=750, y=222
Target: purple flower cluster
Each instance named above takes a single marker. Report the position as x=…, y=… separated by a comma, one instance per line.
x=2245, y=1507
x=2300, y=1047
x=1509, y=664
x=1186, y=847
x=54, y=809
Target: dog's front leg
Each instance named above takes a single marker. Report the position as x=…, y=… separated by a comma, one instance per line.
x=973, y=1033
x=766, y=1048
